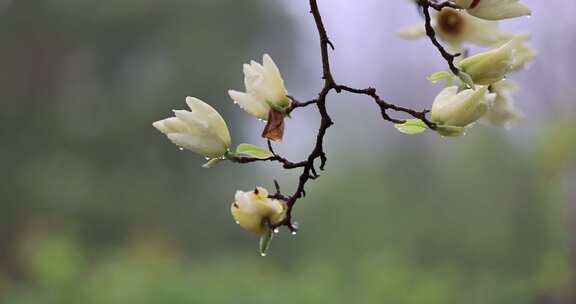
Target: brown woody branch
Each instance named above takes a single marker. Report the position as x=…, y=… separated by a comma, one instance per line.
x=431, y=33
x=440, y=5
x=318, y=155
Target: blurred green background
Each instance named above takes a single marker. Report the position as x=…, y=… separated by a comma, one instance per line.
x=97, y=207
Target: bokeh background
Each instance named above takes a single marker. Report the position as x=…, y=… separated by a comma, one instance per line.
x=97, y=207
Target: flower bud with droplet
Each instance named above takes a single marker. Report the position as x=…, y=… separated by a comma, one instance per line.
x=254, y=210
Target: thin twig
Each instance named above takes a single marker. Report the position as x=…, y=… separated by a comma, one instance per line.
x=431, y=33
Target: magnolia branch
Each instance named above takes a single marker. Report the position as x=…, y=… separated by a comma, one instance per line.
x=309, y=171
x=316, y=160
x=454, y=110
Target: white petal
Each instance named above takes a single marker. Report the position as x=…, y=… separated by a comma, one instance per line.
x=460, y=108
x=215, y=121
x=499, y=9
x=413, y=32
x=254, y=105
x=257, y=67
x=160, y=126
x=206, y=145
x=250, y=71
x=484, y=32
x=176, y=125
x=274, y=82
x=193, y=121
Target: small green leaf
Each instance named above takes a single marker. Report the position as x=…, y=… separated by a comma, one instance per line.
x=253, y=151
x=265, y=241
x=434, y=78
x=212, y=162
x=412, y=126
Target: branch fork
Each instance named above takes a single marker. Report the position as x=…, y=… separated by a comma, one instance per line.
x=308, y=166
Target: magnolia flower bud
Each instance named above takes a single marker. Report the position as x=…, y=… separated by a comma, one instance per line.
x=202, y=131
x=264, y=89
x=494, y=9
x=492, y=66
x=454, y=109
x=265, y=97
x=254, y=210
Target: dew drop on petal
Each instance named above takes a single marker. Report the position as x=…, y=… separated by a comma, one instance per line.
x=263, y=254
x=294, y=232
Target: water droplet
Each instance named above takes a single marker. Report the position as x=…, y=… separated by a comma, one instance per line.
x=276, y=230
x=207, y=158
x=235, y=102
x=237, y=222
x=263, y=254
x=294, y=232
x=180, y=148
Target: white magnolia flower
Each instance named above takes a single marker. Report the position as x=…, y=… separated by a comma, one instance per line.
x=453, y=110
x=492, y=66
x=264, y=87
x=494, y=9
x=503, y=112
x=253, y=210
x=458, y=27
x=202, y=131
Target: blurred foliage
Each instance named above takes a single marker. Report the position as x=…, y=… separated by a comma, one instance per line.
x=84, y=81
x=468, y=236
x=99, y=208
x=149, y=273
x=557, y=149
